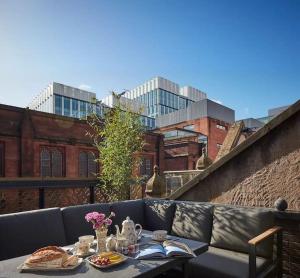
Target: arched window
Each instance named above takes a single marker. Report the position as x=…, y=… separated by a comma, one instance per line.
x=83, y=164
x=51, y=162
x=45, y=163
x=146, y=168
x=87, y=164
x=57, y=163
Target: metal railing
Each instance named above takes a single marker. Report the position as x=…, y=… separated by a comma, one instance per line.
x=49, y=183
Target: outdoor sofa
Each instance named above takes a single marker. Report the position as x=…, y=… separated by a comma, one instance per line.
x=241, y=239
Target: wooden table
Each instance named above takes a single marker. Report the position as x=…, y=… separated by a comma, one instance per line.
x=130, y=268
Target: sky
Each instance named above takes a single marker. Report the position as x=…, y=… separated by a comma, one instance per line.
x=244, y=54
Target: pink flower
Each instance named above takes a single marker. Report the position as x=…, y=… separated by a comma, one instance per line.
x=98, y=219
x=108, y=221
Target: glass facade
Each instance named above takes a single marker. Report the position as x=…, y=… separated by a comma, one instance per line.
x=73, y=107
x=58, y=104
x=160, y=102
x=80, y=109
x=67, y=106
x=148, y=122
x=82, y=105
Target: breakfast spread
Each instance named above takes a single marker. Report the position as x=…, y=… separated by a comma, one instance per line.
x=51, y=257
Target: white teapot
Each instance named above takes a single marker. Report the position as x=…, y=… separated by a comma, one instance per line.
x=129, y=231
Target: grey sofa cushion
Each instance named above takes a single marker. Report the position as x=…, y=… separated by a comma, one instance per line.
x=159, y=214
x=217, y=263
x=193, y=220
x=234, y=227
x=75, y=223
x=132, y=208
x=22, y=233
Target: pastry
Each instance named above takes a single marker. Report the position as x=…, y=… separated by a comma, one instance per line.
x=50, y=257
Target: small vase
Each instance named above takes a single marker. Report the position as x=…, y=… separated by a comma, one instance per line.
x=101, y=239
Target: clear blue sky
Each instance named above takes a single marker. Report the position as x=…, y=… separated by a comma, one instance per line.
x=245, y=54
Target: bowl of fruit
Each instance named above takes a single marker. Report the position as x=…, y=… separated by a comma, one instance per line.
x=106, y=259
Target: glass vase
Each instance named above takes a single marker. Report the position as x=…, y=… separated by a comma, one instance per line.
x=101, y=235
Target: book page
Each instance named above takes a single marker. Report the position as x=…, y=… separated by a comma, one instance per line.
x=177, y=249
x=151, y=252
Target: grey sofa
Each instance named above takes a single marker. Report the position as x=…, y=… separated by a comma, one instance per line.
x=241, y=239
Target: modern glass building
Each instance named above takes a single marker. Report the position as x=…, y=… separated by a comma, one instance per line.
x=161, y=96
x=65, y=100
x=68, y=101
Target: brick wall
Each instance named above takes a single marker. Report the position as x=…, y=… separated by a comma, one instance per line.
x=24, y=131
x=291, y=243
x=208, y=127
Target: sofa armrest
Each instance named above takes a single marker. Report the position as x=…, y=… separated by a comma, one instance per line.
x=257, y=240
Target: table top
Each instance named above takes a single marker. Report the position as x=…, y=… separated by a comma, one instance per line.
x=130, y=268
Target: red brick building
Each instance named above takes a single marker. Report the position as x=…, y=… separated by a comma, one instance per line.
x=34, y=144
x=188, y=147
x=202, y=125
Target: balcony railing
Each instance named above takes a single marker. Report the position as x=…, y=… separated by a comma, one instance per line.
x=86, y=186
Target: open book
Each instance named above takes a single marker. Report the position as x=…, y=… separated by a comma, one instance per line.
x=167, y=249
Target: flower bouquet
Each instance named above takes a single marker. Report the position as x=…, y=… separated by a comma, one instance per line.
x=100, y=225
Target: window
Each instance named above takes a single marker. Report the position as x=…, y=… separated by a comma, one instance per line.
x=67, y=106
x=58, y=105
x=219, y=146
x=221, y=127
x=146, y=167
x=189, y=127
x=75, y=108
x=82, y=109
x=1, y=159
x=87, y=164
x=51, y=162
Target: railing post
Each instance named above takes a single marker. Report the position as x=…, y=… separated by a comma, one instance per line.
x=279, y=254
x=92, y=194
x=41, y=198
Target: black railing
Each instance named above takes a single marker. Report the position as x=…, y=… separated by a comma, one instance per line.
x=49, y=183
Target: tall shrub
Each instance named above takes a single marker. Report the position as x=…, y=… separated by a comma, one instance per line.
x=118, y=136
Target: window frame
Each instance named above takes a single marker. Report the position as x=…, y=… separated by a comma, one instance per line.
x=143, y=164
x=87, y=151
x=50, y=149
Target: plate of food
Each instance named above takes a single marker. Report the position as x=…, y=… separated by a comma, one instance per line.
x=50, y=258
x=106, y=259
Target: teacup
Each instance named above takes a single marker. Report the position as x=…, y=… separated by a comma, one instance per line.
x=159, y=235
x=81, y=248
x=86, y=239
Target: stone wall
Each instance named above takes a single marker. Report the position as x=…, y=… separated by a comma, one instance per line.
x=265, y=170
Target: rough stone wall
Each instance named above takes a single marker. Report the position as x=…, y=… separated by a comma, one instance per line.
x=266, y=170
x=280, y=178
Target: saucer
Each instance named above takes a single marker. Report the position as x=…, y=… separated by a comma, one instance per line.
x=91, y=252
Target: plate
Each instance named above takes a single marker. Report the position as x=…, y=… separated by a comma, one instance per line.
x=91, y=252
x=24, y=267
x=123, y=259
